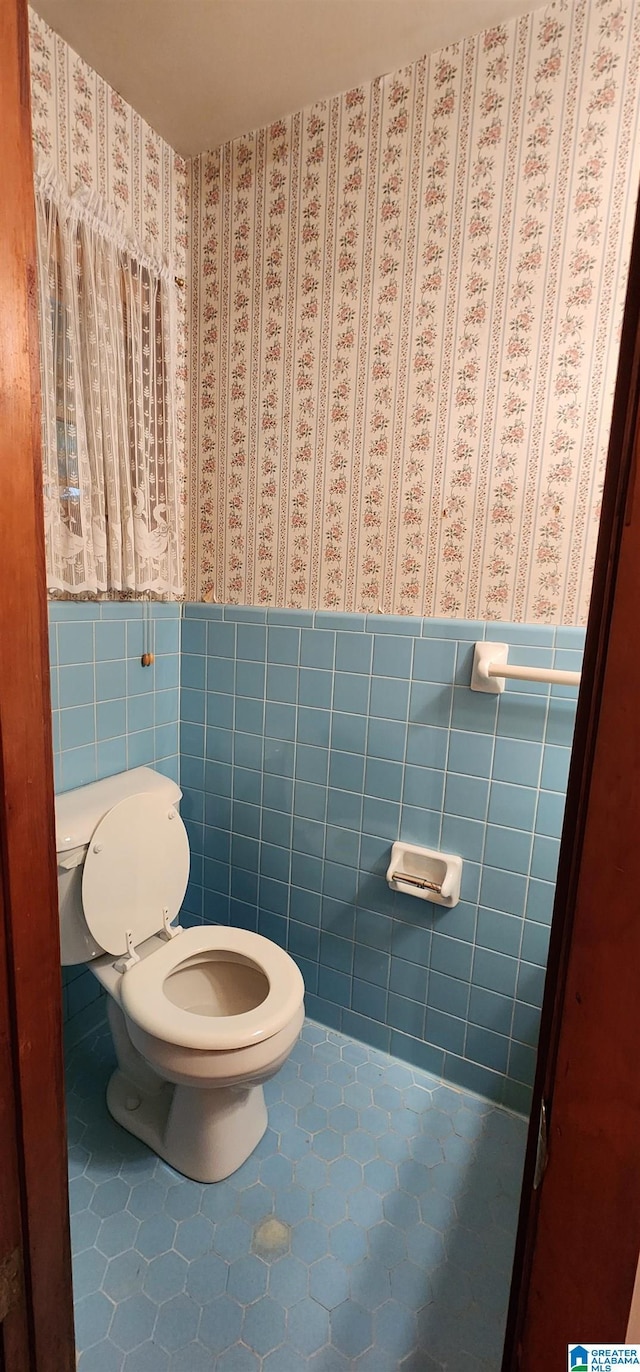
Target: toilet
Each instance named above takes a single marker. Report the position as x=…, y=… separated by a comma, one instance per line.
x=200, y=1017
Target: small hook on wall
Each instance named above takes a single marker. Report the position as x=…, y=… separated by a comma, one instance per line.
x=148, y=636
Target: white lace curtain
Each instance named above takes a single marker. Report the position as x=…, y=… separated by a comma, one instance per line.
x=107, y=350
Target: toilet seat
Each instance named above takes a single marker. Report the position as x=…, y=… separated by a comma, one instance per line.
x=144, y=1000
x=136, y=868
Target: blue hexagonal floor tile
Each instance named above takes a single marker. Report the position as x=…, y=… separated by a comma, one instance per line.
x=308, y=1326
x=133, y=1321
x=220, y=1324
x=372, y=1229
x=177, y=1323
x=265, y=1326
x=351, y=1329
x=329, y=1282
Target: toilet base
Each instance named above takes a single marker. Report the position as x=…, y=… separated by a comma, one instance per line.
x=205, y=1133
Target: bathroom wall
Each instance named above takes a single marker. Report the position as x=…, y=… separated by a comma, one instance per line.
x=109, y=712
x=309, y=742
x=405, y=313
x=405, y=306
x=83, y=128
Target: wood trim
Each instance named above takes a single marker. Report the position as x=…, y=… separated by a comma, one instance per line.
x=27, y=848
x=587, y=1070
x=14, y=1329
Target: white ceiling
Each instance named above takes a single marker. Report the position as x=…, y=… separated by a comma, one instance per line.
x=204, y=71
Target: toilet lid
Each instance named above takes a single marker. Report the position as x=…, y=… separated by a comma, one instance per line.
x=137, y=865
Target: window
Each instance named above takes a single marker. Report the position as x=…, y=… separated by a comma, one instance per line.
x=107, y=349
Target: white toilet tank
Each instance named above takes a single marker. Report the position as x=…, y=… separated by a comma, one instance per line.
x=78, y=814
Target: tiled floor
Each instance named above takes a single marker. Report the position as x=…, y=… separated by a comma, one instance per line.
x=372, y=1229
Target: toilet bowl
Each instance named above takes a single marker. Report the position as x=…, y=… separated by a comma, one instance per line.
x=200, y=1017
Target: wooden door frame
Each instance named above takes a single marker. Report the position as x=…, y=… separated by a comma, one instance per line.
x=587, y=1071
x=14, y=1326
x=28, y=894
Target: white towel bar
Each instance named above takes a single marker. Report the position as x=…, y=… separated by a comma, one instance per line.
x=490, y=667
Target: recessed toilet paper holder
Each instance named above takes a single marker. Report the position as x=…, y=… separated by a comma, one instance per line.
x=425, y=873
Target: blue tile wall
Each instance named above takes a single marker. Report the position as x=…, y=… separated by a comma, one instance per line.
x=108, y=712
x=309, y=742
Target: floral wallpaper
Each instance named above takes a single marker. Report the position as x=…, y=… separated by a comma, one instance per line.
x=405, y=317
x=95, y=139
